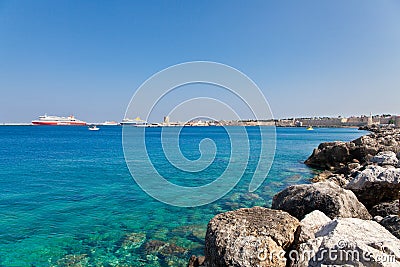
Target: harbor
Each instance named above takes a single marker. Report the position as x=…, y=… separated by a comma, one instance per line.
x=325, y=122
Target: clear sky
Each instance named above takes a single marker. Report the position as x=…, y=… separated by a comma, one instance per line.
x=88, y=57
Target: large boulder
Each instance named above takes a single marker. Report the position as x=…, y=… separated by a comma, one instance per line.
x=376, y=184
x=329, y=155
x=249, y=237
x=385, y=158
x=349, y=242
x=385, y=208
x=392, y=224
x=334, y=201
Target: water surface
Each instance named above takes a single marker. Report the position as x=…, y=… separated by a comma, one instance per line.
x=67, y=197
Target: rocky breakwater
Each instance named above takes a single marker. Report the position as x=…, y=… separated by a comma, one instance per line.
x=374, y=178
x=349, y=217
x=338, y=155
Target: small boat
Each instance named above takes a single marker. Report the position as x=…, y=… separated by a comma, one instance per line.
x=94, y=128
x=310, y=128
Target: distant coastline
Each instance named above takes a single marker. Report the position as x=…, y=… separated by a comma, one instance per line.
x=318, y=122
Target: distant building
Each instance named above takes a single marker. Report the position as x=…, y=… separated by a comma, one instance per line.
x=370, y=121
x=166, y=120
x=298, y=124
x=397, y=121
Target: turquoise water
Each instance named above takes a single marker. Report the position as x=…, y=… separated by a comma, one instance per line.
x=67, y=197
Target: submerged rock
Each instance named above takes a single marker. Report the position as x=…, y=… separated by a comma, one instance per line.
x=249, y=237
x=196, y=261
x=133, y=241
x=193, y=232
x=164, y=249
x=385, y=209
x=376, y=184
x=349, y=242
x=76, y=260
x=392, y=224
x=332, y=200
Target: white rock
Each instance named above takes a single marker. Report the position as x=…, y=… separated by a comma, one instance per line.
x=311, y=224
x=375, y=174
x=350, y=242
x=378, y=219
x=376, y=184
x=370, y=174
x=385, y=158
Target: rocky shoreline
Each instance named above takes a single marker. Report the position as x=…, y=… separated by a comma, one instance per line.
x=348, y=216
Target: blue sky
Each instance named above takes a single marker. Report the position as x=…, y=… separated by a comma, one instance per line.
x=88, y=57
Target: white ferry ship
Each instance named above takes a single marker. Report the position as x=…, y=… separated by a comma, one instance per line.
x=55, y=120
x=136, y=122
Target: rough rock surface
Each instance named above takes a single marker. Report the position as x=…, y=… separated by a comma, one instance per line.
x=330, y=155
x=385, y=158
x=337, y=178
x=392, y=224
x=196, y=261
x=385, y=208
x=244, y=237
x=311, y=224
x=334, y=201
x=350, y=242
x=376, y=184
x=336, y=155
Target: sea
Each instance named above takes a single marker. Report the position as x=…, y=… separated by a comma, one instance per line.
x=67, y=197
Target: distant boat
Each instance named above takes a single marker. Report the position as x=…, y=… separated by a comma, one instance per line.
x=136, y=122
x=111, y=123
x=310, y=128
x=55, y=120
x=94, y=128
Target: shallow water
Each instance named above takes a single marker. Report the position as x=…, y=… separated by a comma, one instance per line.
x=67, y=197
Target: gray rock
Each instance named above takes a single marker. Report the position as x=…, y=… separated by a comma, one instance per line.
x=349, y=168
x=321, y=177
x=376, y=184
x=392, y=224
x=311, y=224
x=338, y=179
x=385, y=208
x=350, y=242
x=327, y=197
x=246, y=236
x=329, y=155
x=385, y=158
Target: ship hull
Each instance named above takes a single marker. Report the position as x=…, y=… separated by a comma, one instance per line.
x=59, y=123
